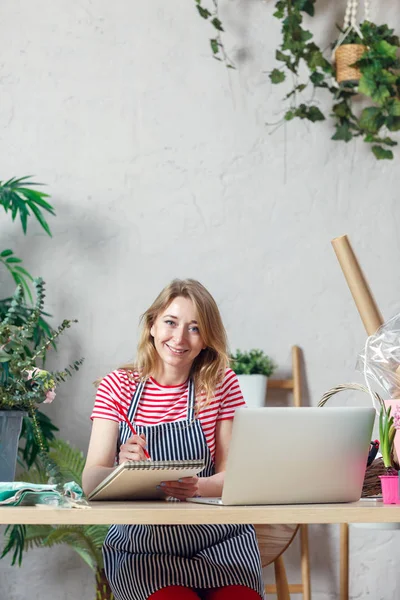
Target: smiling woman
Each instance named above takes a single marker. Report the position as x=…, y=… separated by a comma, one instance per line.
x=177, y=340
x=181, y=398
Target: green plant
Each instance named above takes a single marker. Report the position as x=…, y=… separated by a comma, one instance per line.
x=304, y=62
x=18, y=197
x=86, y=540
x=298, y=53
x=23, y=386
x=253, y=362
x=217, y=47
x=387, y=431
x=380, y=82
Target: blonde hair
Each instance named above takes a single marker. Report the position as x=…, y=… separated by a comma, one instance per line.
x=208, y=368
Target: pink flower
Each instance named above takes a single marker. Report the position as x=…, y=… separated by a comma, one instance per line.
x=50, y=395
x=396, y=417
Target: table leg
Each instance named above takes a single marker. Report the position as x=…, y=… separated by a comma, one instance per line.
x=305, y=562
x=344, y=561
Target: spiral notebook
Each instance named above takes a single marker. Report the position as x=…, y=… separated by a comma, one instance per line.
x=138, y=480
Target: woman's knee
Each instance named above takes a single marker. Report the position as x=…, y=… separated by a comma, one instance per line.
x=232, y=592
x=174, y=592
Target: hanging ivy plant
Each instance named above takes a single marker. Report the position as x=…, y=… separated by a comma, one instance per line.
x=379, y=78
x=296, y=50
x=380, y=82
x=217, y=47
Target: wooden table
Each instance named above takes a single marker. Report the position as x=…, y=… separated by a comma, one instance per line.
x=164, y=513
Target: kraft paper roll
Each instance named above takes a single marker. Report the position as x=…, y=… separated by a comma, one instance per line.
x=365, y=303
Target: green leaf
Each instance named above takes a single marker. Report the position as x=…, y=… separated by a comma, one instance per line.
x=317, y=78
x=5, y=253
x=393, y=123
x=385, y=49
x=314, y=114
x=203, y=12
x=366, y=85
x=371, y=119
x=40, y=218
x=17, y=196
x=282, y=57
x=308, y=7
x=15, y=540
x=214, y=46
x=305, y=35
x=13, y=259
x=316, y=59
x=369, y=138
x=381, y=153
x=289, y=115
x=280, y=7
x=217, y=24
x=277, y=76
x=24, y=272
x=394, y=107
x=342, y=132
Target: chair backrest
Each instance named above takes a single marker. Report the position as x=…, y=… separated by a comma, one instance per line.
x=273, y=540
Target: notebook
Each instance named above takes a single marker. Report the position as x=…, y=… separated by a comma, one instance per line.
x=296, y=455
x=138, y=480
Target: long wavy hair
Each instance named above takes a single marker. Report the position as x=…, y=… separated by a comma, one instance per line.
x=209, y=366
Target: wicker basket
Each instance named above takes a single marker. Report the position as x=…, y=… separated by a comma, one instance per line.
x=345, y=56
x=372, y=484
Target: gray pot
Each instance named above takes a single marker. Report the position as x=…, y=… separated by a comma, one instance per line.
x=10, y=428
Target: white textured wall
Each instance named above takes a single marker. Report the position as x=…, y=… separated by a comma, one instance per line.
x=160, y=165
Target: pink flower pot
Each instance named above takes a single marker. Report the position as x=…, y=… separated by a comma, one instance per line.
x=395, y=404
x=390, y=489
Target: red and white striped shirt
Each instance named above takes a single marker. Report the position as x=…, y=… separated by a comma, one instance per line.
x=165, y=404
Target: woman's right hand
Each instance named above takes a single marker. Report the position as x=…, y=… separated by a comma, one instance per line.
x=133, y=449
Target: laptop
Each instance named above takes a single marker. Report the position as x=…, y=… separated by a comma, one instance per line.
x=296, y=455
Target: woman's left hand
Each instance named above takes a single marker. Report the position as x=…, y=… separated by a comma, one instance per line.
x=187, y=487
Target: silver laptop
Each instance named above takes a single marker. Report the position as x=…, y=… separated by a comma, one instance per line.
x=296, y=455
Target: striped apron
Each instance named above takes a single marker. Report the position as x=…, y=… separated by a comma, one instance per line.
x=141, y=559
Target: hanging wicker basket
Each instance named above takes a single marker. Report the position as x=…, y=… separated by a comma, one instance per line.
x=345, y=56
x=372, y=484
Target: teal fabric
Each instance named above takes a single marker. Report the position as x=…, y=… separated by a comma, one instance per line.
x=21, y=493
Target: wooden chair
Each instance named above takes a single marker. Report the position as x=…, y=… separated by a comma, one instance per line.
x=273, y=540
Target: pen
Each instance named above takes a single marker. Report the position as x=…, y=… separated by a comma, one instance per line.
x=125, y=417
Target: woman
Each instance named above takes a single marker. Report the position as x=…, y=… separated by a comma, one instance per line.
x=181, y=398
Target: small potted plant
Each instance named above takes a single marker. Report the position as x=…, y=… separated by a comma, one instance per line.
x=387, y=432
x=22, y=384
x=253, y=369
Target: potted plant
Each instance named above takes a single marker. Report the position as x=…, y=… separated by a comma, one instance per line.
x=387, y=432
x=23, y=386
x=85, y=540
x=367, y=68
x=253, y=369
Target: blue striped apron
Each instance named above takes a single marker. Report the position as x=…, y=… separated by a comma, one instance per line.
x=141, y=559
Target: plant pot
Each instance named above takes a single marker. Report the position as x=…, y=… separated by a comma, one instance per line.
x=254, y=389
x=345, y=56
x=10, y=428
x=390, y=489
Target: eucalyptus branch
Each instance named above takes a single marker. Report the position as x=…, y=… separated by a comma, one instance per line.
x=60, y=376
x=64, y=325
x=13, y=309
